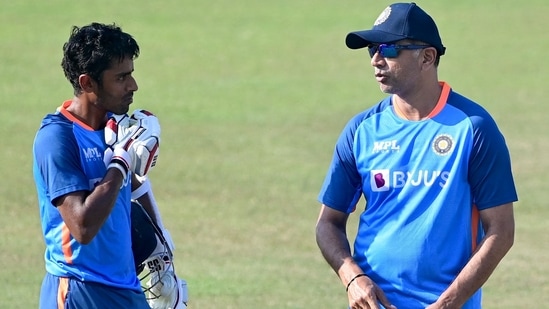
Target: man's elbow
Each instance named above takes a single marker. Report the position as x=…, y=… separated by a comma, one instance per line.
x=506, y=238
x=83, y=239
x=84, y=235
x=509, y=238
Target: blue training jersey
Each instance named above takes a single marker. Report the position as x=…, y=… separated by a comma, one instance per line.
x=68, y=157
x=424, y=183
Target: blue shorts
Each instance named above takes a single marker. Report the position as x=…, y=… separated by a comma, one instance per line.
x=67, y=293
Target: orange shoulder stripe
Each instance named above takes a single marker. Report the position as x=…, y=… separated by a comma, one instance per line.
x=63, y=110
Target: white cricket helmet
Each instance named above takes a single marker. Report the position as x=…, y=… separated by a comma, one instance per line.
x=154, y=264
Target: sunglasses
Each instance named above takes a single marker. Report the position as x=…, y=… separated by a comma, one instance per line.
x=391, y=50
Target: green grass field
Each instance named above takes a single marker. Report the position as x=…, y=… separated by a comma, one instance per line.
x=251, y=97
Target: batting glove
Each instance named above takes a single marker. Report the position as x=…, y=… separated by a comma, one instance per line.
x=134, y=147
x=147, y=146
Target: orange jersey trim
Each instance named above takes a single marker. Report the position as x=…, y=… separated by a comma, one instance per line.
x=441, y=100
x=475, y=222
x=66, y=243
x=438, y=107
x=62, y=291
x=63, y=110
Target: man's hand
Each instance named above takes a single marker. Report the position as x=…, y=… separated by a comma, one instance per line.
x=147, y=120
x=364, y=293
x=134, y=143
x=117, y=135
x=147, y=144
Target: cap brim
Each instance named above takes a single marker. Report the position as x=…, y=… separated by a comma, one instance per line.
x=361, y=39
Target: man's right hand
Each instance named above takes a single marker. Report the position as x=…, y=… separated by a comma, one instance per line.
x=363, y=293
x=134, y=147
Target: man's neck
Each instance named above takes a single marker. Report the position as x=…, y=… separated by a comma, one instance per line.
x=419, y=104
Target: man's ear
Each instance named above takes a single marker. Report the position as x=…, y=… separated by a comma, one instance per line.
x=429, y=55
x=87, y=83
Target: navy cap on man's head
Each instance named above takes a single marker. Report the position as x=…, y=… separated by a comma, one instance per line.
x=397, y=22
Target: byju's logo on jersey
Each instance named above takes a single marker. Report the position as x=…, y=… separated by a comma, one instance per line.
x=379, y=180
x=386, y=146
x=383, y=180
x=91, y=154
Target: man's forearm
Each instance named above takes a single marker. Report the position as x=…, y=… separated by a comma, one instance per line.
x=335, y=248
x=476, y=272
x=333, y=244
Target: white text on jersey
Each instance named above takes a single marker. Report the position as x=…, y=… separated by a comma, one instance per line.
x=383, y=180
x=386, y=146
x=91, y=154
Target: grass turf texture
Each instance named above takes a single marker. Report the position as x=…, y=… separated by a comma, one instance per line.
x=251, y=97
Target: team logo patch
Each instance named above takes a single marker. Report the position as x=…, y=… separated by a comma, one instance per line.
x=443, y=144
x=383, y=16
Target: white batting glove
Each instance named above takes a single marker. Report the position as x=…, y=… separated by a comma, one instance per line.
x=117, y=135
x=147, y=145
x=148, y=120
x=115, y=129
x=134, y=147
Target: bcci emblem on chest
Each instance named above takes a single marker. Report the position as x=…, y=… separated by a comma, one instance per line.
x=443, y=144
